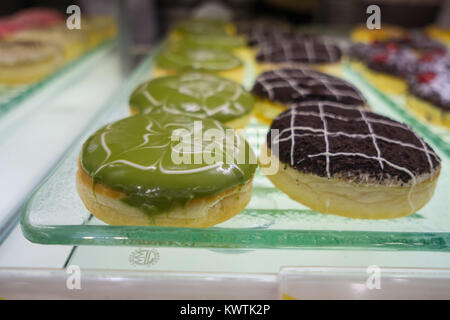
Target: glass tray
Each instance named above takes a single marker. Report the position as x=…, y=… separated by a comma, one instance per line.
x=10, y=96
x=56, y=215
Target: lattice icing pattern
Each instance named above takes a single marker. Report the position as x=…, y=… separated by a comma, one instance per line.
x=299, y=84
x=299, y=50
x=329, y=139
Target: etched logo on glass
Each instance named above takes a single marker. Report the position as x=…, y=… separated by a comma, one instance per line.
x=374, y=279
x=143, y=257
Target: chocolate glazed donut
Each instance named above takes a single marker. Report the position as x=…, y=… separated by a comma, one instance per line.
x=276, y=90
x=350, y=162
x=303, y=50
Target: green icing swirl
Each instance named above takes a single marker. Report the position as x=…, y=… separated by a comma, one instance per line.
x=202, y=26
x=197, y=58
x=200, y=94
x=135, y=155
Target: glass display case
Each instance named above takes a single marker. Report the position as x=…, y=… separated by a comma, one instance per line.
x=276, y=248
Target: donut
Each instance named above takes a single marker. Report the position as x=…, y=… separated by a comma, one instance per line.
x=233, y=44
x=9, y=26
x=98, y=29
x=358, y=55
x=275, y=90
x=221, y=41
x=422, y=43
x=72, y=43
x=364, y=35
x=388, y=64
x=261, y=30
x=349, y=162
x=133, y=172
x=429, y=95
x=201, y=26
x=387, y=69
x=24, y=62
x=200, y=94
x=176, y=59
x=314, y=52
x=438, y=33
x=434, y=60
x=38, y=17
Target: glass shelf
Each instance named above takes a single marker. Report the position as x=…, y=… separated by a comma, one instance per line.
x=56, y=215
x=11, y=96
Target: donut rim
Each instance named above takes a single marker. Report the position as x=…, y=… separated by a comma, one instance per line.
x=345, y=198
x=105, y=204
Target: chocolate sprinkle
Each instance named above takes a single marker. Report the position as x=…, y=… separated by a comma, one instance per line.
x=331, y=140
x=294, y=85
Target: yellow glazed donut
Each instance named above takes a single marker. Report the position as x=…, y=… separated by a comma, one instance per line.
x=98, y=29
x=439, y=33
x=202, y=26
x=385, y=83
x=71, y=42
x=427, y=111
x=222, y=63
x=362, y=34
x=24, y=62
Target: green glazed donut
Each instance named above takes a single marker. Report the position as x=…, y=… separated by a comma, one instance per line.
x=202, y=26
x=139, y=158
x=200, y=94
x=223, y=42
x=181, y=58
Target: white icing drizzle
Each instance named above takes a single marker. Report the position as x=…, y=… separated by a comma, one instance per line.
x=292, y=137
x=309, y=50
x=264, y=30
x=205, y=168
x=200, y=87
x=128, y=163
x=325, y=136
x=289, y=134
x=203, y=58
x=299, y=48
x=364, y=118
x=195, y=146
x=427, y=151
x=105, y=146
x=147, y=95
x=374, y=138
x=321, y=132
